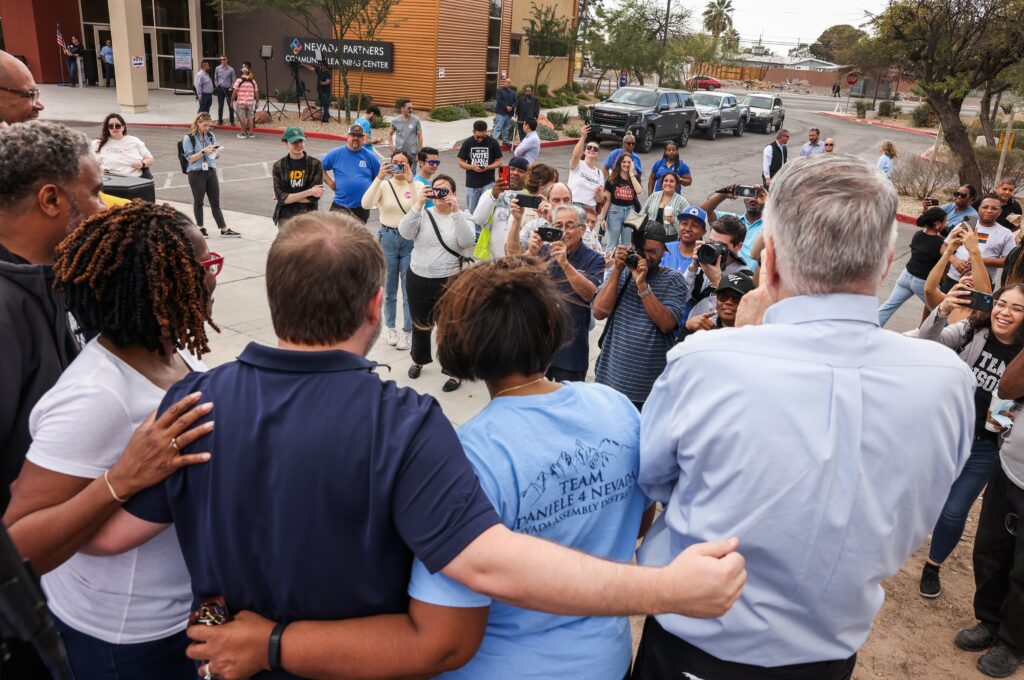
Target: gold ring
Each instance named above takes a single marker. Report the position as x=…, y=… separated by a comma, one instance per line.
x=174, y=443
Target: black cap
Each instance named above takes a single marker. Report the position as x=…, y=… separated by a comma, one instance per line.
x=738, y=282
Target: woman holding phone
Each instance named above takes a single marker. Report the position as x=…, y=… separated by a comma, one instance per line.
x=965, y=236
x=925, y=252
x=394, y=194
x=201, y=151
x=986, y=342
x=439, y=235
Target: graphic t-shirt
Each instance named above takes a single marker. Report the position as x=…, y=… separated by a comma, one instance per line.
x=575, y=485
x=407, y=134
x=994, y=241
x=584, y=182
x=353, y=173
x=622, y=192
x=117, y=155
x=296, y=179
x=988, y=369
x=480, y=154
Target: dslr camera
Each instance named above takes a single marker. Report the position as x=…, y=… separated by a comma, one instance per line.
x=712, y=253
x=636, y=247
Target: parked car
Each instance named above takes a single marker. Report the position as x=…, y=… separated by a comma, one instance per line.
x=703, y=83
x=650, y=115
x=766, y=111
x=719, y=111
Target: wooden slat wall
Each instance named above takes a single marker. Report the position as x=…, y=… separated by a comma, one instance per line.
x=462, y=51
x=413, y=28
x=506, y=37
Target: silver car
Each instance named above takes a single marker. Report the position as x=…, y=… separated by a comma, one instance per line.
x=766, y=112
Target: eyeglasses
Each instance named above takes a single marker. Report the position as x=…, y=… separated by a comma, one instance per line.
x=214, y=264
x=629, y=143
x=433, y=164
x=27, y=94
x=829, y=146
x=1003, y=304
x=962, y=194
x=568, y=226
x=593, y=148
x=114, y=126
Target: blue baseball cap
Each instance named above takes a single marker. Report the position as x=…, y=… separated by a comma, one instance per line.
x=695, y=213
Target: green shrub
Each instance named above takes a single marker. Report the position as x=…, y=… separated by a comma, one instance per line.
x=490, y=106
x=542, y=90
x=673, y=84
x=577, y=87
x=379, y=123
x=583, y=111
x=988, y=162
x=575, y=134
x=922, y=115
x=548, y=102
x=861, y=107
x=449, y=113
x=558, y=119
x=546, y=133
x=885, y=109
x=475, y=109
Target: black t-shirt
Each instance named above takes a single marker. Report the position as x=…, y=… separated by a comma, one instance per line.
x=323, y=74
x=483, y=154
x=988, y=369
x=296, y=183
x=1011, y=207
x=622, y=192
x=924, y=253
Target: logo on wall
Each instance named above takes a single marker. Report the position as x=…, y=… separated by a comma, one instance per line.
x=361, y=55
x=296, y=46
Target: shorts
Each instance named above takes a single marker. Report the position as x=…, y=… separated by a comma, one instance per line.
x=246, y=111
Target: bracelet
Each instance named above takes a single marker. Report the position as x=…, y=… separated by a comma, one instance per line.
x=274, y=647
x=111, y=487
x=645, y=293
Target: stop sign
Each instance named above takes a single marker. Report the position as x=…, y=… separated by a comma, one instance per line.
x=852, y=79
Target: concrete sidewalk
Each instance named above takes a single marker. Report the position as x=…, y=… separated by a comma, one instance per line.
x=93, y=104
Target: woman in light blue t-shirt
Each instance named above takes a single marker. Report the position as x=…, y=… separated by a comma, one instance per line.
x=559, y=461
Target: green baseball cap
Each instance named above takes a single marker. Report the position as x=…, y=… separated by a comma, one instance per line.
x=293, y=134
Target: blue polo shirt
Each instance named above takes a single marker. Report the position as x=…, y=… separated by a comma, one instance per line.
x=662, y=168
x=354, y=172
x=325, y=482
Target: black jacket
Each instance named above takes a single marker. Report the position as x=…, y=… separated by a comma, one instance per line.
x=527, y=107
x=36, y=345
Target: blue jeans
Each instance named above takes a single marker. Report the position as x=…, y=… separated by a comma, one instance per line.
x=473, y=197
x=397, y=253
x=93, y=659
x=73, y=71
x=502, y=127
x=205, y=102
x=907, y=286
x=617, y=233
x=950, y=527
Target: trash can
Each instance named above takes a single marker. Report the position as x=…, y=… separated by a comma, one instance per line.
x=130, y=187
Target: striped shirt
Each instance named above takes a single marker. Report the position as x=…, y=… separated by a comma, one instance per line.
x=246, y=91
x=633, y=353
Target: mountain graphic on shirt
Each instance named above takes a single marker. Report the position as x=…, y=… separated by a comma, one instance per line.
x=568, y=465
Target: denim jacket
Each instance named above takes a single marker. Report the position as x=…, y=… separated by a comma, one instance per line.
x=191, y=148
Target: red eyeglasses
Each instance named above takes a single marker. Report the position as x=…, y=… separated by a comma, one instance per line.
x=215, y=263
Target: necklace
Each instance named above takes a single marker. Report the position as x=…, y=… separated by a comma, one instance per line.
x=517, y=387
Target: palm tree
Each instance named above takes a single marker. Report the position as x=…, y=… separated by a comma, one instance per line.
x=718, y=18
x=731, y=41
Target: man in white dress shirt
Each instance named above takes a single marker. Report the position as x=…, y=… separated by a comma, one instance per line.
x=827, y=444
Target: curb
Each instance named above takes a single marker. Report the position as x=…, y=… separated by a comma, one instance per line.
x=865, y=121
x=906, y=219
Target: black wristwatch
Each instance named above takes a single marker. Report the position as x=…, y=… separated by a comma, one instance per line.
x=274, y=647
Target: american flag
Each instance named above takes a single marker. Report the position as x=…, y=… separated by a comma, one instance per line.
x=60, y=39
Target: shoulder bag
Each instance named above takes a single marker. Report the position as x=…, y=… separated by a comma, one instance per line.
x=463, y=260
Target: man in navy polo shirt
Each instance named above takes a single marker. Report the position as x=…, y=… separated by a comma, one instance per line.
x=352, y=169
x=326, y=481
x=579, y=271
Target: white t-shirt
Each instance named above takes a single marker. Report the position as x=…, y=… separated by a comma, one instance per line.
x=117, y=155
x=79, y=428
x=994, y=241
x=584, y=182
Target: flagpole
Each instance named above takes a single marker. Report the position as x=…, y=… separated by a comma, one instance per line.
x=61, y=55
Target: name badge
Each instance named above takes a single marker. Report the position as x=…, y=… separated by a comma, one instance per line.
x=206, y=166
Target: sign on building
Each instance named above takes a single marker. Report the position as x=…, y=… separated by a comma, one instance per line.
x=358, y=55
x=182, y=57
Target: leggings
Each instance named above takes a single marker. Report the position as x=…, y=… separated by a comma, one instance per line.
x=423, y=296
x=204, y=184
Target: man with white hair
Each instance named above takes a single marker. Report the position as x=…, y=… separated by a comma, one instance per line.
x=825, y=443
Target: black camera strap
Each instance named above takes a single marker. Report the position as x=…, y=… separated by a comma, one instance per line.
x=463, y=261
x=611, y=317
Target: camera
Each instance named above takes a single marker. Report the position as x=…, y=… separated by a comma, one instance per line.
x=549, y=234
x=440, y=193
x=636, y=247
x=632, y=259
x=712, y=253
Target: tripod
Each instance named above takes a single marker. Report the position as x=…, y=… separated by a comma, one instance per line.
x=268, y=106
x=300, y=90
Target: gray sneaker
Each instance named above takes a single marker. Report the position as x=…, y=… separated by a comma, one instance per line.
x=1001, y=661
x=252, y=135
x=974, y=639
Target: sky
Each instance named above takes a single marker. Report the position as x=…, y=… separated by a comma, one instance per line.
x=787, y=21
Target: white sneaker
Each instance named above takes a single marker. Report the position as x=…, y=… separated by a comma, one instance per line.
x=241, y=135
x=403, y=341
x=391, y=336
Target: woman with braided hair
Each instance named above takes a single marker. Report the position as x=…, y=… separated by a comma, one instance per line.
x=142, y=277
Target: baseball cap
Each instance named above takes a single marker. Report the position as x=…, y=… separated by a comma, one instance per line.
x=356, y=129
x=519, y=162
x=293, y=134
x=738, y=282
x=696, y=213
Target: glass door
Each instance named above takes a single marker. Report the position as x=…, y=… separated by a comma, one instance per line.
x=102, y=34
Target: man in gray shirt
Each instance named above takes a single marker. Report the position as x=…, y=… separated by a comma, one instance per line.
x=813, y=145
x=406, y=133
x=223, y=80
x=529, y=148
x=203, y=84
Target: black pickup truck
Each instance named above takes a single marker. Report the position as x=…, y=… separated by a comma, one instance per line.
x=650, y=115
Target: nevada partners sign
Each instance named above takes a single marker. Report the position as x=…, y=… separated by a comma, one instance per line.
x=358, y=55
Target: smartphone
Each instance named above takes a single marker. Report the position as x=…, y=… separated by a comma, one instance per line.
x=931, y=202
x=529, y=200
x=439, y=193
x=980, y=301
x=503, y=174
x=396, y=168
x=549, y=234
x=745, y=191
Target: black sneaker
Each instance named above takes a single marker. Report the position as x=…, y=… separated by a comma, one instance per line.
x=974, y=639
x=202, y=230
x=1001, y=661
x=931, y=587
x=415, y=370
x=451, y=385
x=229, y=233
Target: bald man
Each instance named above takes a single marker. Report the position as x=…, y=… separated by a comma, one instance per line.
x=830, y=145
x=19, y=96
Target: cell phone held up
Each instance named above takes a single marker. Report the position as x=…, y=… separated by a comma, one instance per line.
x=744, y=191
x=980, y=301
x=503, y=174
x=529, y=200
x=549, y=234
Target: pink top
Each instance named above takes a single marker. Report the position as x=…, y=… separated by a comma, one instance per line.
x=245, y=91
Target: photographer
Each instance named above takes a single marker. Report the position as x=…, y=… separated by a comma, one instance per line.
x=751, y=219
x=493, y=212
x=643, y=303
x=323, y=86
x=996, y=243
x=578, y=271
x=717, y=255
x=962, y=237
x=556, y=195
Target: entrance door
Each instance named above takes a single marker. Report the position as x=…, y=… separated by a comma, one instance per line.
x=102, y=35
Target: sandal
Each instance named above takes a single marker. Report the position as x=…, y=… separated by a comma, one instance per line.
x=415, y=370
x=451, y=385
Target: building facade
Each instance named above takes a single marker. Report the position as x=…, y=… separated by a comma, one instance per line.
x=522, y=63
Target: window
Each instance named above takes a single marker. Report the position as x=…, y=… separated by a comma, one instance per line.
x=209, y=15
x=663, y=101
x=494, y=32
x=147, y=13
x=493, y=50
x=212, y=45
x=517, y=45
x=171, y=78
x=172, y=13
x=94, y=11
x=687, y=100
x=778, y=102
x=492, y=60
x=673, y=100
x=165, y=40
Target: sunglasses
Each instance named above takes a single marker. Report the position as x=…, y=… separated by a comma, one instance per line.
x=829, y=146
x=215, y=264
x=114, y=126
x=593, y=148
x=433, y=164
x=962, y=194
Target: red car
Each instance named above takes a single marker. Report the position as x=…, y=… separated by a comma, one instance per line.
x=703, y=83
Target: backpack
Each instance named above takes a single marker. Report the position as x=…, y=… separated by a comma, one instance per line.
x=182, y=158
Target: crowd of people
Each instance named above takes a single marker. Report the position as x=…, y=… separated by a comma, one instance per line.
x=503, y=547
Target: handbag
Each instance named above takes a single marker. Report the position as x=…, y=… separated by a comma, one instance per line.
x=636, y=220
x=463, y=260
